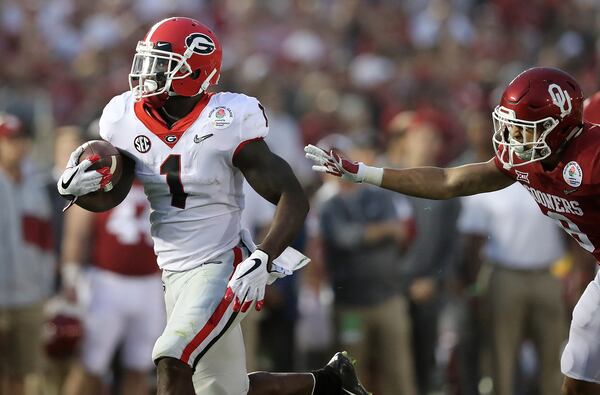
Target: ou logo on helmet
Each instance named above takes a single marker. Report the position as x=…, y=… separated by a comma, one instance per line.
x=200, y=43
x=561, y=98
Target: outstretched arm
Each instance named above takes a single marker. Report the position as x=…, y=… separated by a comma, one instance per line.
x=424, y=182
x=439, y=183
x=272, y=178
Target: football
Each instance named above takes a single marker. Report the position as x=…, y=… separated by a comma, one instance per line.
x=122, y=176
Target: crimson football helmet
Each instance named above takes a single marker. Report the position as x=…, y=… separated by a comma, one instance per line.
x=62, y=335
x=10, y=125
x=591, y=108
x=539, y=112
x=62, y=330
x=178, y=56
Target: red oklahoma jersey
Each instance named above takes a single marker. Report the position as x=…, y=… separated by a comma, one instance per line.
x=569, y=194
x=122, y=241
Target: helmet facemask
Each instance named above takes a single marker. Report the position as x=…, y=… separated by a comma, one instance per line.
x=525, y=140
x=153, y=70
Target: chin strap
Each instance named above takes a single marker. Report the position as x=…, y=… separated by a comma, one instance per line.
x=203, y=87
x=206, y=82
x=576, y=131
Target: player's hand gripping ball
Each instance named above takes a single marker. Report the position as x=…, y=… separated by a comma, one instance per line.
x=93, y=170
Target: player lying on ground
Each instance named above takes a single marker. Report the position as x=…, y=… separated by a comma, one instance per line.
x=542, y=142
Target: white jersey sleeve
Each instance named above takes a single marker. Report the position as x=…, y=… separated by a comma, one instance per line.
x=254, y=123
x=113, y=112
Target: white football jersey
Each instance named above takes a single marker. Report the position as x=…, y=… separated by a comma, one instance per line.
x=195, y=192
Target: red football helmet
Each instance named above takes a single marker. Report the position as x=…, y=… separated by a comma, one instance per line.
x=178, y=56
x=540, y=111
x=62, y=335
x=62, y=329
x=591, y=108
x=10, y=126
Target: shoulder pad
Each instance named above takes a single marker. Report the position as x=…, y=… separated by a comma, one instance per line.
x=115, y=109
x=113, y=113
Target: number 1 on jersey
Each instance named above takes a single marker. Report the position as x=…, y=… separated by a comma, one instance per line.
x=171, y=167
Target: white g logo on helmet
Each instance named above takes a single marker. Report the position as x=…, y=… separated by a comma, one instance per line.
x=200, y=43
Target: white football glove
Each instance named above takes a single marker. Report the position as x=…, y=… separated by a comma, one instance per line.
x=332, y=163
x=248, y=282
x=75, y=180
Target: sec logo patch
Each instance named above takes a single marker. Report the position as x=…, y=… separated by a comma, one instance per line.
x=142, y=144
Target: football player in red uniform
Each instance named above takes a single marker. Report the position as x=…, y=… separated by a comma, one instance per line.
x=123, y=291
x=541, y=141
x=591, y=108
x=191, y=150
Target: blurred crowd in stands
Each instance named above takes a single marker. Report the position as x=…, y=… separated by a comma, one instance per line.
x=406, y=284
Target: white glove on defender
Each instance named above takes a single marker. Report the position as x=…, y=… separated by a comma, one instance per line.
x=332, y=163
x=75, y=180
x=249, y=281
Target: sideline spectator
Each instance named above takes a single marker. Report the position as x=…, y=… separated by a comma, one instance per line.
x=27, y=264
x=522, y=298
x=423, y=142
x=121, y=293
x=363, y=243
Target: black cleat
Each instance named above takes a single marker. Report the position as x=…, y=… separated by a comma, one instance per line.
x=343, y=367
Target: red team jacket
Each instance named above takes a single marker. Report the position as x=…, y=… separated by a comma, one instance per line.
x=569, y=194
x=122, y=237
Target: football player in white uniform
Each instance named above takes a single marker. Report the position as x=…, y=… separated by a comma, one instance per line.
x=191, y=150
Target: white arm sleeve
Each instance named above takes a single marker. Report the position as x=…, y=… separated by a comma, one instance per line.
x=112, y=113
x=254, y=122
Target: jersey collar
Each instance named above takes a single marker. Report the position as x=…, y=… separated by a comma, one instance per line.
x=153, y=121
